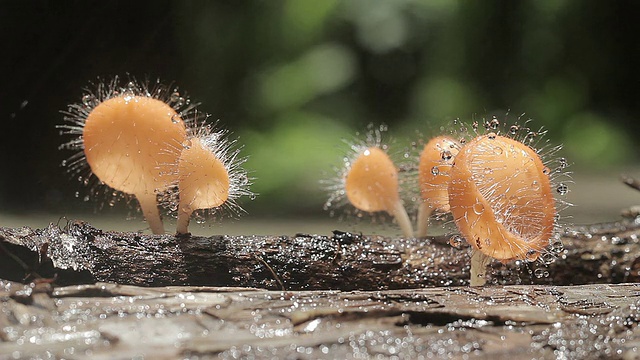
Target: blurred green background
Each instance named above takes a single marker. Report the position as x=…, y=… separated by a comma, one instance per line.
x=293, y=78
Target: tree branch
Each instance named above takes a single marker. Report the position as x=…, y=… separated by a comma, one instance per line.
x=79, y=253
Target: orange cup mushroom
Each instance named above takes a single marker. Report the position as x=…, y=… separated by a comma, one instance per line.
x=129, y=142
x=501, y=199
x=371, y=185
x=436, y=159
x=209, y=177
x=203, y=182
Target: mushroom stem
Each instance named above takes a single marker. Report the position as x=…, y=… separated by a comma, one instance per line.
x=479, y=262
x=184, y=216
x=402, y=218
x=151, y=214
x=424, y=213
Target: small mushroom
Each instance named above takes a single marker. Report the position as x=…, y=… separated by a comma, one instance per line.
x=501, y=198
x=371, y=185
x=208, y=176
x=436, y=159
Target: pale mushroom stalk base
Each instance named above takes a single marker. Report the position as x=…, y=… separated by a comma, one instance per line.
x=479, y=262
x=184, y=216
x=403, y=220
x=149, y=207
x=424, y=213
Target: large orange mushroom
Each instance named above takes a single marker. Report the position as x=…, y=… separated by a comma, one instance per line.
x=129, y=139
x=501, y=198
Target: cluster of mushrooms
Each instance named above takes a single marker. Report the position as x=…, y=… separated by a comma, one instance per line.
x=150, y=143
x=496, y=186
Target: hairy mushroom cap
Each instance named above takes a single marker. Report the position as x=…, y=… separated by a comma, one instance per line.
x=436, y=159
x=209, y=175
x=372, y=182
x=204, y=180
x=371, y=185
x=501, y=198
x=129, y=141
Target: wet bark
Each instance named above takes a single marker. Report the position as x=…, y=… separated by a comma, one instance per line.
x=338, y=296
x=78, y=253
x=104, y=321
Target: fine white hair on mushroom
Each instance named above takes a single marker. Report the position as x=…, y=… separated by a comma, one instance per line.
x=120, y=134
x=369, y=181
x=209, y=177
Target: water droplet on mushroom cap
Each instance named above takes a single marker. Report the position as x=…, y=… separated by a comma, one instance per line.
x=372, y=182
x=130, y=142
x=517, y=217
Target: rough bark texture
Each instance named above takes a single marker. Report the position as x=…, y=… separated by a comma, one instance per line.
x=339, y=296
x=106, y=321
x=79, y=254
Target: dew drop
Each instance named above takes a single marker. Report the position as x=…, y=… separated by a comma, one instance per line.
x=456, y=241
x=539, y=273
x=253, y=197
x=64, y=163
x=175, y=119
x=547, y=258
x=531, y=255
x=494, y=124
x=563, y=163
x=462, y=140
x=175, y=96
x=491, y=135
x=535, y=185
x=497, y=150
x=546, y=171
x=87, y=100
x=562, y=189
x=86, y=198
x=514, y=129
x=478, y=208
x=435, y=171
x=557, y=246
x=446, y=155
x=77, y=194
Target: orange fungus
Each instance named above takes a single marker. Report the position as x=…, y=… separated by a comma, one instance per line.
x=129, y=143
x=433, y=175
x=371, y=185
x=501, y=199
x=204, y=181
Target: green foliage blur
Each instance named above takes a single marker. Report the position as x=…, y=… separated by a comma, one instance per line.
x=294, y=78
x=318, y=71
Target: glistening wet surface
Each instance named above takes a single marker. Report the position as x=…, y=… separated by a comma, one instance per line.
x=107, y=321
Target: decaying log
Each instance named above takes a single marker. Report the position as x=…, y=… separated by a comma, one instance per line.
x=78, y=253
x=106, y=321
